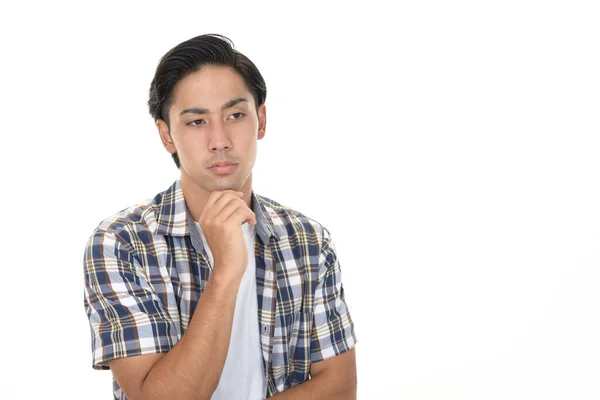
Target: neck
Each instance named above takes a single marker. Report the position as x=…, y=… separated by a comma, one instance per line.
x=196, y=197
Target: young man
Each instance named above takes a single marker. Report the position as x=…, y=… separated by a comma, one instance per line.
x=210, y=290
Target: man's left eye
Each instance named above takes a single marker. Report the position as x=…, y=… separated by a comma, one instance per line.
x=237, y=115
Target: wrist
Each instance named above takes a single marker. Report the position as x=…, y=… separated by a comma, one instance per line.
x=224, y=279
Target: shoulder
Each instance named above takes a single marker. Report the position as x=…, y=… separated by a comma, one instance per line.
x=290, y=222
x=134, y=223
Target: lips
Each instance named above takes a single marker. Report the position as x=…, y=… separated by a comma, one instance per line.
x=223, y=168
x=221, y=164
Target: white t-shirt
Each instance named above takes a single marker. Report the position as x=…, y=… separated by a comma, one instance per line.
x=243, y=375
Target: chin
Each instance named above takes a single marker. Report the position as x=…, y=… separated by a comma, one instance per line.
x=226, y=184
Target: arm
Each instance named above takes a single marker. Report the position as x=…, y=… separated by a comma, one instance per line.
x=132, y=332
x=134, y=336
x=331, y=379
x=333, y=361
x=192, y=368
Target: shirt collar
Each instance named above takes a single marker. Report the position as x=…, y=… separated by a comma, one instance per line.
x=174, y=218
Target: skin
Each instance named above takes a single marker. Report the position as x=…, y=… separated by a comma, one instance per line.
x=201, y=139
x=214, y=118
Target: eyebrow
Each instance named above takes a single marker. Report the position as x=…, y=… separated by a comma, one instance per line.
x=197, y=110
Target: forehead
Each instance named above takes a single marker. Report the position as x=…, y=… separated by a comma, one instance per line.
x=210, y=87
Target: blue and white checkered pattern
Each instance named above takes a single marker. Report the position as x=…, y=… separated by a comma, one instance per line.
x=145, y=269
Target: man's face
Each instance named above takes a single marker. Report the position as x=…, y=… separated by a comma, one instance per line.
x=213, y=119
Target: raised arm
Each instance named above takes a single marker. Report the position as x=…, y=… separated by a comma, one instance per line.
x=192, y=368
x=132, y=332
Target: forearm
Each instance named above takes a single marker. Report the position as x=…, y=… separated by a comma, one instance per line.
x=323, y=386
x=192, y=368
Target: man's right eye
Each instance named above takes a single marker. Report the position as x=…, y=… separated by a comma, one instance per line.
x=196, y=122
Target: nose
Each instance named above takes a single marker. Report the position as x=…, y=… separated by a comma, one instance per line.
x=218, y=137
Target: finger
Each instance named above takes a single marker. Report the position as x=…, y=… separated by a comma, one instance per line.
x=219, y=199
x=224, y=214
x=212, y=198
x=231, y=208
x=242, y=215
x=251, y=219
x=224, y=200
x=237, y=206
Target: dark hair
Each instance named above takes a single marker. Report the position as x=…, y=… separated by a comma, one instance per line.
x=190, y=56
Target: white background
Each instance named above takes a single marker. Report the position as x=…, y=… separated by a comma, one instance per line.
x=451, y=148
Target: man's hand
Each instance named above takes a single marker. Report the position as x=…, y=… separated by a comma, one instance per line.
x=191, y=369
x=221, y=222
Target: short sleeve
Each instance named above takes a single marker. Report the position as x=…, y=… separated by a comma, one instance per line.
x=126, y=316
x=333, y=329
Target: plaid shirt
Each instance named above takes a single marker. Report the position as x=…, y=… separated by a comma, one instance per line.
x=145, y=269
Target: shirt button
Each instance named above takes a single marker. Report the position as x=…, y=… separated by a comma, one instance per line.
x=269, y=275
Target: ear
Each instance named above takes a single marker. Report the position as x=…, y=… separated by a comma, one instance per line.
x=262, y=121
x=165, y=136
